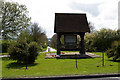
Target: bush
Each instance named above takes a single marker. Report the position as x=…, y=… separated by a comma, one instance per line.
x=5, y=44
x=114, y=51
x=18, y=51
x=89, y=42
x=33, y=52
x=23, y=52
x=100, y=40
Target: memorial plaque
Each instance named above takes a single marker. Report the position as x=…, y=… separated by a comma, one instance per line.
x=70, y=38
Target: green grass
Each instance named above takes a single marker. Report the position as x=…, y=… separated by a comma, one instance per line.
x=3, y=53
x=57, y=67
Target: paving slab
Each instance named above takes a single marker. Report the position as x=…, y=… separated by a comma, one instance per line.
x=71, y=55
x=4, y=56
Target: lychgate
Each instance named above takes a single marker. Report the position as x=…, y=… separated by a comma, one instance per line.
x=71, y=27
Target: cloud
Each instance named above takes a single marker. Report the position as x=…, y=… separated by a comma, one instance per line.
x=88, y=8
x=119, y=15
x=102, y=13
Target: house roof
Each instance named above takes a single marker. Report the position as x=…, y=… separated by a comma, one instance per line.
x=71, y=22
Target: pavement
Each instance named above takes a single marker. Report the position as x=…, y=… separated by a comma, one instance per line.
x=4, y=56
x=74, y=77
x=49, y=49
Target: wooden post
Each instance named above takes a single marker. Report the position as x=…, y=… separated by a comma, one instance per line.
x=76, y=60
x=79, y=45
x=103, y=59
x=26, y=62
x=82, y=50
x=58, y=44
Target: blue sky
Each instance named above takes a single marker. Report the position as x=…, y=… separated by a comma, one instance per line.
x=102, y=13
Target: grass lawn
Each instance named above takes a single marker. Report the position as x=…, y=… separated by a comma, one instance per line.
x=3, y=53
x=58, y=67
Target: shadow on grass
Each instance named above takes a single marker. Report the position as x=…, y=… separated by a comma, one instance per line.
x=118, y=61
x=16, y=65
x=5, y=59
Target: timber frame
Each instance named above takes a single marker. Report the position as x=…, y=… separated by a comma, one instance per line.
x=71, y=24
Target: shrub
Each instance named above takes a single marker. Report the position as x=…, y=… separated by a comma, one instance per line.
x=5, y=44
x=114, y=51
x=100, y=40
x=89, y=42
x=33, y=52
x=18, y=51
x=23, y=52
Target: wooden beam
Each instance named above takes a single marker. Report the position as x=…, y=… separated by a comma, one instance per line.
x=82, y=50
x=58, y=43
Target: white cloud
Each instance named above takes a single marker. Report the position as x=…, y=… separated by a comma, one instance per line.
x=102, y=13
x=43, y=12
x=108, y=15
x=119, y=15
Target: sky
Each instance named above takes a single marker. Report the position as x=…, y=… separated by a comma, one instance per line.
x=101, y=13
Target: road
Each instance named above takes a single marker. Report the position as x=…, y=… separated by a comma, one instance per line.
x=104, y=78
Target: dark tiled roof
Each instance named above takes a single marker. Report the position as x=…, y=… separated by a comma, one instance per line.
x=71, y=22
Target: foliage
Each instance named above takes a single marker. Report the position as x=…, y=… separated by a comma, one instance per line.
x=14, y=19
x=18, y=51
x=5, y=44
x=53, y=42
x=25, y=35
x=1, y=1
x=91, y=26
x=114, y=51
x=34, y=33
x=94, y=41
x=33, y=52
x=38, y=35
x=100, y=40
x=89, y=42
x=23, y=52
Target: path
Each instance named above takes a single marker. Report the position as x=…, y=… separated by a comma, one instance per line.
x=49, y=49
x=4, y=56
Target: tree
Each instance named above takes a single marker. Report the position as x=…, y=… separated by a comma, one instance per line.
x=91, y=26
x=104, y=38
x=44, y=40
x=38, y=35
x=100, y=40
x=14, y=19
x=34, y=33
x=25, y=35
x=89, y=38
x=114, y=51
x=53, y=42
x=0, y=16
x=23, y=52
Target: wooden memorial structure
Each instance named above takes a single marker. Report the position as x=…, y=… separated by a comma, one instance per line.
x=71, y=26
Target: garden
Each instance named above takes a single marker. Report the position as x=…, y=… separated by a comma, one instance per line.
x=26, y=42
x=58, y=67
